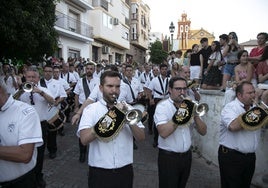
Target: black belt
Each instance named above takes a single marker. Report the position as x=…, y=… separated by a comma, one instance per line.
x=174, y=153
x=225, y=149
x=112, y=170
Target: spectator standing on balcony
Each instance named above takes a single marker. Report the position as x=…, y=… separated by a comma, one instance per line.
x=205, y=51
x=196, y=64
x=230, y=51
x=213, y=76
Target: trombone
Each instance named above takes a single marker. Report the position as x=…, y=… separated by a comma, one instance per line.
x=200, y=109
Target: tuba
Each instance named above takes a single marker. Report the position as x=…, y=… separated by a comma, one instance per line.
x=109, y=126
x=26, y=87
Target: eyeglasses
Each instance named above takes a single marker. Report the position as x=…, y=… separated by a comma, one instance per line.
x=31, y=98
x=180, y=89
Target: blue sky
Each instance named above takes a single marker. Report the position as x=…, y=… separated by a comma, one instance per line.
x=246, y=17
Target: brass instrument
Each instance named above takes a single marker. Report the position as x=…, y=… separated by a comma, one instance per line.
x=192, y=84
x=200, y=109
x=132, y=115
x=26, y=87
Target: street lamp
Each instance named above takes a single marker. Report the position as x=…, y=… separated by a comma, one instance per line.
x=171, y=30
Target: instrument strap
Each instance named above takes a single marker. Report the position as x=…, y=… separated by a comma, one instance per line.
x=43, y=82
x=132, y=93
x=85, y=87
x=164, y=92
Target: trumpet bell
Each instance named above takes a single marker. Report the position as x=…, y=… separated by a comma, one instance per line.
x=133, y=116
x=201, y=109
x=28, y=87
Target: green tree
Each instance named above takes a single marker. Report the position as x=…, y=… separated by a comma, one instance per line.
x=27, y=29
x=157, y=54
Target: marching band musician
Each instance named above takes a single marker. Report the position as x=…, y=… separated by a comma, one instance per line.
x=82, y=90
x=175, y=118
x=59, y=94
x=110, y=161
x=158, y=90
x=237, y=143
x=40, y=98
x=20, y=134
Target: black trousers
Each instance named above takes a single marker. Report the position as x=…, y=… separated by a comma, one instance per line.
x=41, y=152
x=236, y=169
x=111, y=178
x=52, y=141
x=156, y=134
x=27, y=180
x=174, y=168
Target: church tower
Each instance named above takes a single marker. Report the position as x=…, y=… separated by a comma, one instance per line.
x=184, y=32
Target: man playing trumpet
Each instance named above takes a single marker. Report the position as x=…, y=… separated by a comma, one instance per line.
x=174, y=118
x=239, y=135
x=110, y=163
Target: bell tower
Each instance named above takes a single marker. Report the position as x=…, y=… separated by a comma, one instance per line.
x=183, y=32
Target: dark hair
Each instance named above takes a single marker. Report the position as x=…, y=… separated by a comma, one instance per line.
x=174, y=79
x=224, y=37
x=239, y=88
x=234, y=35
x=179, y=52
x=218, y=46
x=204, y=39
x=162, y=65
x=239, y=54
x=264, y=34
x=108, y=74
x=129, y=66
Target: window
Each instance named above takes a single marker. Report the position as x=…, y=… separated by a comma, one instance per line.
x=107, y=21
x=74, y=53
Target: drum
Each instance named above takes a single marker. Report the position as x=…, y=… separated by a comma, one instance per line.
x=142, y=108
x=56, y=119
x=64, y=106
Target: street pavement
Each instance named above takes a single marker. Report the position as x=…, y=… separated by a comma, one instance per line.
x=65, y=171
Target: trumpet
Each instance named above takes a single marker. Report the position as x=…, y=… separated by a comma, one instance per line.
x=26, y=87
x=200, y=109
x=132, y=116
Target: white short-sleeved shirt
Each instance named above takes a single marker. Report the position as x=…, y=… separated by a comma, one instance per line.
x=40, y=103
x=79, y=89
x=180, y=139
x=69, y=77
x=64, y=83
x=109, y=155
x=55, y=87
x=20, y=124
x=244, y=141
x=159, y=88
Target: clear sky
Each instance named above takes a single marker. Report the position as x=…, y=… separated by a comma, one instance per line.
x=245, y=17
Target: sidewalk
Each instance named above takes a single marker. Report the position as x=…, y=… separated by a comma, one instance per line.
x=65, y=171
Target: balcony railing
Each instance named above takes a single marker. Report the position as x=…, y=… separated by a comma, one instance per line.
x=68, y=23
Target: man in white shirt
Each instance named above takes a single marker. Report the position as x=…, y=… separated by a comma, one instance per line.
x=20, y=134
x=110, y=161
x=237, y=148
x=82, y=90
x=174, y=118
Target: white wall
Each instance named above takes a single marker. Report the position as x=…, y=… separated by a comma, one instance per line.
x=208, y=144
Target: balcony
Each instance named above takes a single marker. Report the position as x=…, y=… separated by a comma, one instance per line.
x=73, y=28
x=83, y=3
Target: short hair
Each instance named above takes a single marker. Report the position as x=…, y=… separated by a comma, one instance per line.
x=179, y=52
x=108, y=74
x=239, y=88
x=129, y=66
x=204, y=39
x=174, y=79
x=224, y=37
x=163, y=65
x=264, y=34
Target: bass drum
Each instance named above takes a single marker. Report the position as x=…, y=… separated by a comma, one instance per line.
x=142, y=108
x=56, y=119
